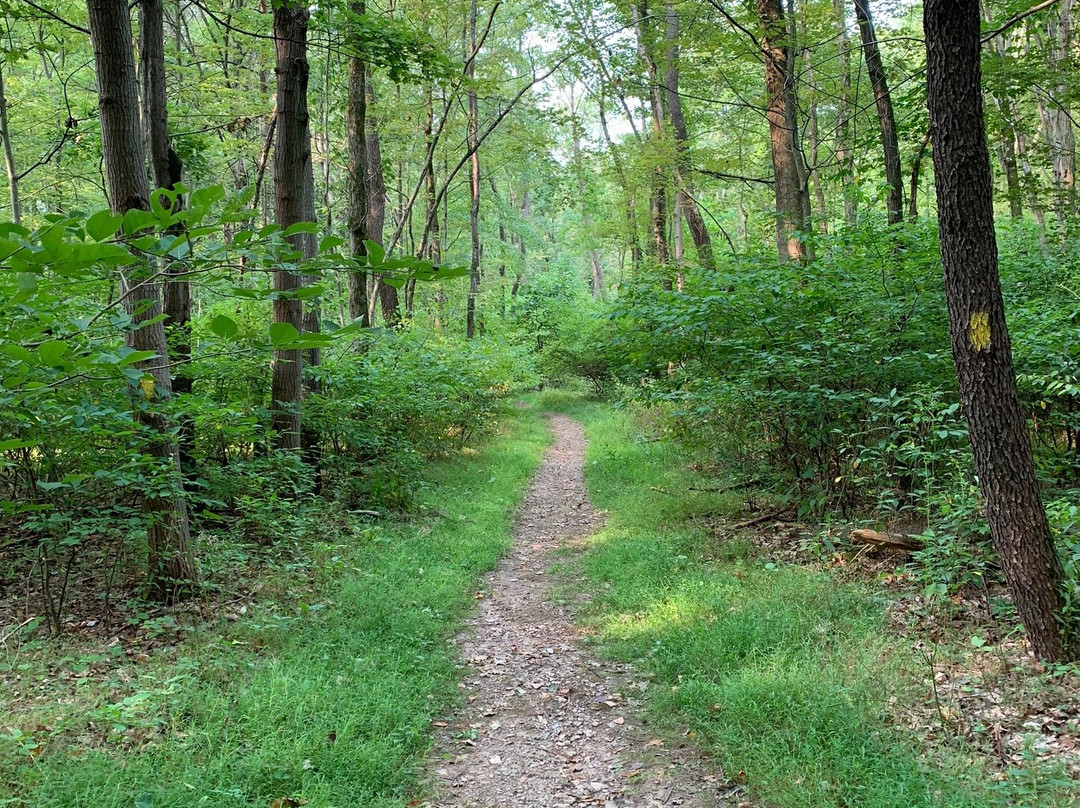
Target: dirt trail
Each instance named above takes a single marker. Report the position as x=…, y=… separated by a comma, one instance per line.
x=547, y=724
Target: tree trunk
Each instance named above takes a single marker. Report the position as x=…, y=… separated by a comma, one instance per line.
x=166, y=170
x=783, y=136
x=814, y=135
x=357, y=175
x=887, y=122
x=844, y=156
x=916, y=167
x=170, y=567
x=376, y=204
x=9, y=155
x=293, y=202
x=1056, y=116
x=980, y=342
x=685, y=201
x=474, y=178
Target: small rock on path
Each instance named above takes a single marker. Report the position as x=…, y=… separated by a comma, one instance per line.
x=547, y=725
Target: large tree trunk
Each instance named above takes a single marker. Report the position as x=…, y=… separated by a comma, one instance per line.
x=356, y=180
x=170, y=569
x=166, y=171
x=685, y=200
x=474, y=178
x=791, y=201
x=9, y=154
x=887, y=122
x=293, y=202
x=980, y=342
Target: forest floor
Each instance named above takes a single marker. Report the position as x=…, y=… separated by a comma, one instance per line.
x=625, y=644
x=547, y=724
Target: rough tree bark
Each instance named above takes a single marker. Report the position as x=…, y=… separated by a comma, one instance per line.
x=791, y=201
x=293, y=202
x=980, y=342
x=170, y=567
x=886, y=121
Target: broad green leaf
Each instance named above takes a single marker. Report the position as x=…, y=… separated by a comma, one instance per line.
x=283, y=333
x=16, y=351
x=8, y=445
x=300, y=227
x=50, y=352
x=136, y=220
x=224, y=327
x=375, y=252
x=137, y=356
x=103, y=224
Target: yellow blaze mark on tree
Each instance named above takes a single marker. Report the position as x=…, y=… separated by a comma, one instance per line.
x=979, y=331
x=146, y=384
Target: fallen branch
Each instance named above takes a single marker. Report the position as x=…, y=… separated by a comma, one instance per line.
x=723, y=488
x=765, y=517
x=873, y=537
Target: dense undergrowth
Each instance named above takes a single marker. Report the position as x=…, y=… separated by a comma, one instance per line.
x=787, y=674
x=831, y=385
x=319, y=686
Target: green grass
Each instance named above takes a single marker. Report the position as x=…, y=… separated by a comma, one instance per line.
x=325, y=696
x=780, y=672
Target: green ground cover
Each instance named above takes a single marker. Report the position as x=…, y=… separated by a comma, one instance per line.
x=322, y=692
x=782, y=672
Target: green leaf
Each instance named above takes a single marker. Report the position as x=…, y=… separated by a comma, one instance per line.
x=330, y=243
x=300, y=227
x=375, y=252
x=137, y=356
x=224, y=327
x=16, y=351
x=8, y=445
x=283, y=333
x=204, y=197
x=50, y=352
x=103, y=224
x=136, y=220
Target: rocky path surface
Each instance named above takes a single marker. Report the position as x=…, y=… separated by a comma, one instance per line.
x=548, y=725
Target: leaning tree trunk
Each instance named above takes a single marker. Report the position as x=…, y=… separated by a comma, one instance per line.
x=170, y=567
x=980, y=342
x=791, y=204
x=293, y=202
x=887, y=122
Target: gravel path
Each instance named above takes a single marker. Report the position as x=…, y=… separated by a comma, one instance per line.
x=547, y=724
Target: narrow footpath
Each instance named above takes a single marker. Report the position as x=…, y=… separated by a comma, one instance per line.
x=547, y=724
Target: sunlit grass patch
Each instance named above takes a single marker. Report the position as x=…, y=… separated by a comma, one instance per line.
x=784, y=673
